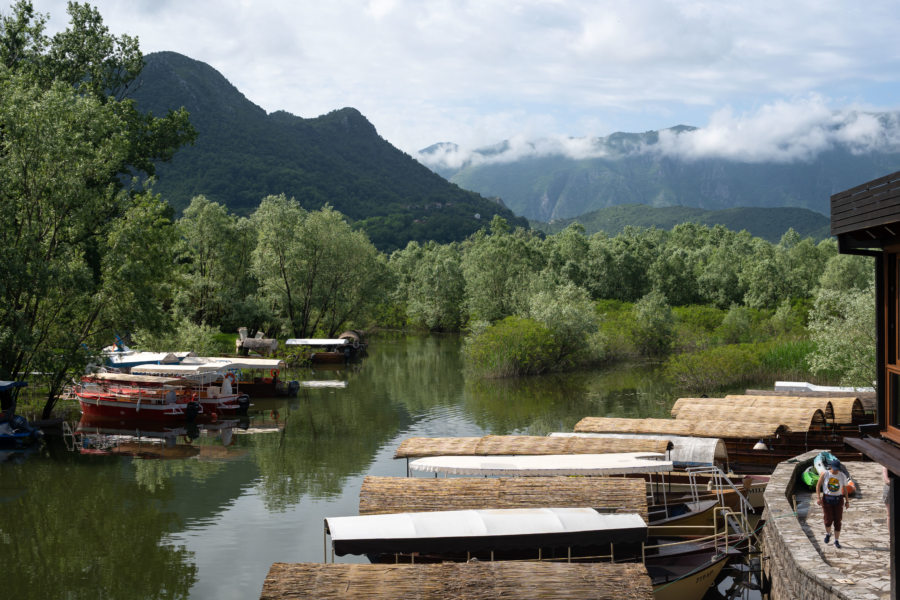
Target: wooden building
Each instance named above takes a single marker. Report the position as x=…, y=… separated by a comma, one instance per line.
x=866, y=221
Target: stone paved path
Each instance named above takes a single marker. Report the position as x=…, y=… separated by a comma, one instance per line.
x=865, y=553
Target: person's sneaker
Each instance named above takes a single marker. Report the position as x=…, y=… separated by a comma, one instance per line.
x=827, y=537
x=837, y=544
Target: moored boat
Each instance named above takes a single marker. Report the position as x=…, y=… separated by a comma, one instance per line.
x=144, y=397
x=15, y=431
x=212, y=387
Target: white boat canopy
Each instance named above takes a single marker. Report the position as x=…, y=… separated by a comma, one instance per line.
x=131, y=358
x=551, y=464
x=136, y=379
x=473, y=530
x=686, y=451
x=317, y=342
x=180, y=370
x=225, y=362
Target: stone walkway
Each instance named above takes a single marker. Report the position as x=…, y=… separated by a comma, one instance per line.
x=864, y=557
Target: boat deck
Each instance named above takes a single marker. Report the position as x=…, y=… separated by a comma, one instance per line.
x=864, y=557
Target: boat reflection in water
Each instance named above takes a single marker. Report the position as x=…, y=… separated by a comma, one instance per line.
x=140, y=439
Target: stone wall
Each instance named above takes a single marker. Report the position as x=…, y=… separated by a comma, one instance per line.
x=794, y=567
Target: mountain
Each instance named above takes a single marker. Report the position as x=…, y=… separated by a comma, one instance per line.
x=767, y=223
x=542, y=181
x=243, y=154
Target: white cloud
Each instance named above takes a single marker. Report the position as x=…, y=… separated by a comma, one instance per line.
x=783, y=131
x=477, y=71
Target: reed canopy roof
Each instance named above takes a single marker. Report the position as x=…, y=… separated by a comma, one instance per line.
x=687, y=451
x=838, y=409
x=726, y=429
x=545, y=465
x=523, y=445
x=524, y=580
x=795, y=419
x=380, y=495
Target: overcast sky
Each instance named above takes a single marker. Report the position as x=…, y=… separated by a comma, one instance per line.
x=765, y=80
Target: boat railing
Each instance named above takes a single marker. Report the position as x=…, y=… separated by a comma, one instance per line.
x=720, y=482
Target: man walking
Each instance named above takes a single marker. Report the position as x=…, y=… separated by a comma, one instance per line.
x=831, y=494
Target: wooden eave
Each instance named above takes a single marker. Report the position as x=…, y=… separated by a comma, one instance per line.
x=868, y=215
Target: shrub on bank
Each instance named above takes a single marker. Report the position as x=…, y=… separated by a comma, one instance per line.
x=513, y=346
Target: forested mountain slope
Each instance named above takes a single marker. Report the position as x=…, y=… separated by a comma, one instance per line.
x=628, y=168
x=767, y=223
x=243, y=154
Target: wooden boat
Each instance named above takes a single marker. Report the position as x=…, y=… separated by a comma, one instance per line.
x=567, y=534
x=209, y=384
x=341, y=349
x=256, y=377
x=686, y=576
x=15, y=431
x=139, y=397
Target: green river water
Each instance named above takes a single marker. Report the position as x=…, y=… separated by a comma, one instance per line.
x=209, y=519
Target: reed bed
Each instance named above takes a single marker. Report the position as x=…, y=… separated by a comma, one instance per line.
x=795, y=419
x=523, y=445
x=841, y=410
x=524, y=580
x=725, y=429
x=380, y=495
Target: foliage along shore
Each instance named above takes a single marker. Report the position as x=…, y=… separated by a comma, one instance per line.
x=93, y=253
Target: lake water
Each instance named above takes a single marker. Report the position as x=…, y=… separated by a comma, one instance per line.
x=210, y=518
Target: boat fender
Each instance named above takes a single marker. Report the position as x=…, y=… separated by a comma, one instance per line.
x=231, y=376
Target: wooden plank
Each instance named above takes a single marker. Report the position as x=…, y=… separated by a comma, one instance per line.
x=864, y=202
x=869, y=185
x=885, y=216
x=880, y=451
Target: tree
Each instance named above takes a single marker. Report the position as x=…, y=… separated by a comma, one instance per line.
x=85, y=254
x=654, y=325
x=498, y=268
x=435, y=292
x=842, y=325
x=313, y=267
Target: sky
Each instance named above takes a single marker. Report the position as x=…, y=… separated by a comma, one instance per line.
x=764, y=80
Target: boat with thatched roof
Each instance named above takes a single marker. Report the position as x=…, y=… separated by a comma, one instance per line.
x=451, y=581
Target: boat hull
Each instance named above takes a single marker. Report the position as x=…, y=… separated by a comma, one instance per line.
x=101, y=405
x=682, y=580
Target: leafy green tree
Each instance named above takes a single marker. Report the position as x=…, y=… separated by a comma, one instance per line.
x=215, y=253
x=435, y=293
x=654, y=325
x=844, y=272
x=313, y=268
x=84, y=254
x=498, y=268
x=842, y=325
x=568, y=312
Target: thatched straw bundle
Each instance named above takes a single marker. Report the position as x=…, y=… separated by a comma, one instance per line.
x=838, y=409
x=451, y=581
x=725, y=429
x=795, y=419
x=866, y=398
x=380, y=495
x=522, y=445
x=742, y=402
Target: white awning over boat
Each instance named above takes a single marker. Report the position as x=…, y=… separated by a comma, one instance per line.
x=125, y=378
x=317, y=342
x=461, y=530
x=686, y=451
x=176, y=370
x=130, y=358
x=225, y=362
x=551, y=464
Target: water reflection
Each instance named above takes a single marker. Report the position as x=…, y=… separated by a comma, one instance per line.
x=83, y=530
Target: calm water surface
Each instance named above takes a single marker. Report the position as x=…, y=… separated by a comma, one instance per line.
x=209, y=519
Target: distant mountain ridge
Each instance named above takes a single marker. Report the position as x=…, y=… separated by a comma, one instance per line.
x=243, y=154
x=767, y=223
x=543, y=182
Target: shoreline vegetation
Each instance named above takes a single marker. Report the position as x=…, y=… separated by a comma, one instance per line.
x=94, y=255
